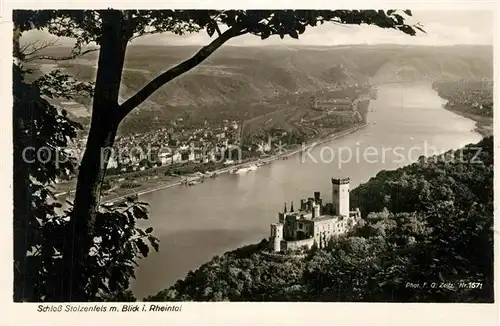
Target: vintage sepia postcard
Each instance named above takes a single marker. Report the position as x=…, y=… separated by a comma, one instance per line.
x=324, y=161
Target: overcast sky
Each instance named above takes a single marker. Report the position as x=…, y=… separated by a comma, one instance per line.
x=448, y=27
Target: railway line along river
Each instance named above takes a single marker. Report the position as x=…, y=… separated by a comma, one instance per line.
x=196, y=223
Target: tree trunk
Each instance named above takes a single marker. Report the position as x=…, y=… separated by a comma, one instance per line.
x=92, y=169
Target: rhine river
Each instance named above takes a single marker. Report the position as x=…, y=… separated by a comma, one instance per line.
x=196, y=223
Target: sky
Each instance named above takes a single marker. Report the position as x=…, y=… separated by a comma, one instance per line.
x=448, y=27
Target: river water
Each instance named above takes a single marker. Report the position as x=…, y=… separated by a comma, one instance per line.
x=196, y=223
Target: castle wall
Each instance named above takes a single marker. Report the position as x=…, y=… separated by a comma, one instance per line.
x=306, y=227
x=324, y=230
x=293, y=245
x=290, y=227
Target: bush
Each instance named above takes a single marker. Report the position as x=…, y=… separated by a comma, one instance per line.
x=130, y=185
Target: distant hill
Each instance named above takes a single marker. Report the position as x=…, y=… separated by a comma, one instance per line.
x=429, y=63
x=235, y=80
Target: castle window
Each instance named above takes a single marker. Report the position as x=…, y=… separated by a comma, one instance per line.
x=300, y=225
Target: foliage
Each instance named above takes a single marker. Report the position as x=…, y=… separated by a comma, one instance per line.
x=118, y=245
x=442, y=232
x=241, y=275
x=129, y=185
x=84, y=25
x=55, y=84
x=37, y=128
x=461, y=176
x=40, y=225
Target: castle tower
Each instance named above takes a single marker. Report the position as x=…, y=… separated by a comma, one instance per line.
x=316, y=212
x=340, y=196
x=276, y=237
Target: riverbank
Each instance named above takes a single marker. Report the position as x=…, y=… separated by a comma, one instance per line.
x=319, y=141
x=484, y=125
x=267, y=160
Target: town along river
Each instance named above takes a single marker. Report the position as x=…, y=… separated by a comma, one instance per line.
x=196, y=223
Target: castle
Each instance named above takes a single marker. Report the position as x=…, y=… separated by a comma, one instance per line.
x=315, y=222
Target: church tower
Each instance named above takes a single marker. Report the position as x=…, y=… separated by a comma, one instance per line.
x=340, y=196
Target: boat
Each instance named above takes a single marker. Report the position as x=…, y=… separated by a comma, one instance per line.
x=242, y=170
x=252, y=167
x=210, y=175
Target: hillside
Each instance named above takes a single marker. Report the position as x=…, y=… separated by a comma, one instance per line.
x=429, y=222
x=246, y=82
x=431, y=63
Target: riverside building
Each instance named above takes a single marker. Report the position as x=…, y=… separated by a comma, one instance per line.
x=315, y=222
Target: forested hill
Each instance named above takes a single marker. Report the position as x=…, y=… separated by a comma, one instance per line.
x=245, y=82
x=433, y=223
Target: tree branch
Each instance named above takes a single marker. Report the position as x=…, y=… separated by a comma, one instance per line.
x=27, y=45
x=36, y=48
x=145, y=33
x=217, y=29
x=48, y=57
x=245, y=31
x=176, y=71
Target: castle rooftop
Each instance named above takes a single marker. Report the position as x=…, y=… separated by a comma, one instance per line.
x=327, y=217
x=341, y=181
